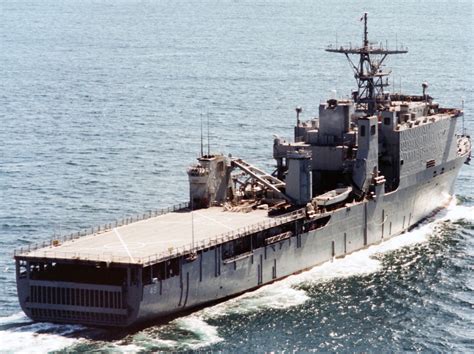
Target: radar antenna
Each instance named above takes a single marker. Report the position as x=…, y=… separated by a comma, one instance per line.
x=370, y=77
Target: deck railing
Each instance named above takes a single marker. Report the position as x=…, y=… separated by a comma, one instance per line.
x=224, y=237
x=58, y=239
x=172, y=252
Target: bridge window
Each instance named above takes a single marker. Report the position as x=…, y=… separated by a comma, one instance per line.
x=362, y=130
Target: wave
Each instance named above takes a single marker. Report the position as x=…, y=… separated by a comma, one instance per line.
x=20, y=335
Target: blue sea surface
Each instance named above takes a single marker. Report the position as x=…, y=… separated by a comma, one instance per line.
x=100, y=112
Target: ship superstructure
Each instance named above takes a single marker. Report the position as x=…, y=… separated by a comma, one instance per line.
x=367, y=169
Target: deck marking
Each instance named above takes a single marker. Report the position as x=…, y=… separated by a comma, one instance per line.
x=123, y=244
x=217, y=222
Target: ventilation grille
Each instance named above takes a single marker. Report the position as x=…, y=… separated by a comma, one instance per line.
x=76, y=297
x=78, y=317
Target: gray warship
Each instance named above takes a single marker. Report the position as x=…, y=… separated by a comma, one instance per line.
x=367, y=169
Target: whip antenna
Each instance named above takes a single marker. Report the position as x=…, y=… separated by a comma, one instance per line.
x=208, y=137
x=202, y=148
x=192, y=224
x=462, y=108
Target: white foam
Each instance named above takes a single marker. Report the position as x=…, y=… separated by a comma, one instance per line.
x=33, y=337
x=363, y=261
x=165, y=343
x=280, y=296
x=123, y=348
x=457, y=212
x=277, y=296
x=193, y=332
x=283, y=294
x=21, y=342
x=150, y=338
x=207, y=334
x=25, y=341
x=17, y=318
x=49, y=328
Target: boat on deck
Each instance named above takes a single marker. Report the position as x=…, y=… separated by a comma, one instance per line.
x=332, y=197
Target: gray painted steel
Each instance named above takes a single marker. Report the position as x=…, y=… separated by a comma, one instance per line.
x=387, y=216
x=400, y=156
x=208, y=278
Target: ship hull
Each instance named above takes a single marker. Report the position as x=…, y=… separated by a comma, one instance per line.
x=209, y=277
x=350, y=229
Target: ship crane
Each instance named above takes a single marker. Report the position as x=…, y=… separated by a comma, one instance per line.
x=268, y=181
x=371, y=79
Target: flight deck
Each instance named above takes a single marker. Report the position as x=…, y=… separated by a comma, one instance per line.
x=154, y=238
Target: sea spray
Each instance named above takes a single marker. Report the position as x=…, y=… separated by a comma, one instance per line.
x=38, y=337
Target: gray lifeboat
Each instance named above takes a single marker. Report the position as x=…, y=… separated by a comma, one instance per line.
x=332, y=197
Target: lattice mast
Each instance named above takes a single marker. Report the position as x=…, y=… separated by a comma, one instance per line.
x=371, y=79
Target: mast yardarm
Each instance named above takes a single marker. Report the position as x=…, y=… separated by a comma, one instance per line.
x=370, y=77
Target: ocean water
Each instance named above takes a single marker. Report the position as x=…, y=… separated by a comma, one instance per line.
x=100, y=110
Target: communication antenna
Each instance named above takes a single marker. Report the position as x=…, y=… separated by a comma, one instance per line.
x=202, y=147
x=462, y=108
x=367, y=63
x=192, y=224
x=298, y=112
x=208, y=137
x=424, y=85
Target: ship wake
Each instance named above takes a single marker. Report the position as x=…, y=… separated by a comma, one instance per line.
x=19, y=334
